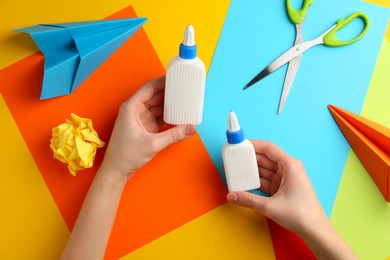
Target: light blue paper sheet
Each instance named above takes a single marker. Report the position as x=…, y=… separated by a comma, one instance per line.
x=257, y=32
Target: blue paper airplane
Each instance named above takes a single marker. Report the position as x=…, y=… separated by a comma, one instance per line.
x=73, y=51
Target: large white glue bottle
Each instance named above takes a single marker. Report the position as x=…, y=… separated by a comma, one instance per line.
x=185, y=84
x=239, y=159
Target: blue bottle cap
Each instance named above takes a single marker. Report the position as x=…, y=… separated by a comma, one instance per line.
x=187, y=52
x=235, y=137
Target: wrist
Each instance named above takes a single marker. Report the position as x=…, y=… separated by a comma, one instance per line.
x=122, y=171
x=315, y=230
x=112, y=176
x=313, y=225
x=324, y=240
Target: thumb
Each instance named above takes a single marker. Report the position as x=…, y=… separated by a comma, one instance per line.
x=248, y=200
x=175, y=134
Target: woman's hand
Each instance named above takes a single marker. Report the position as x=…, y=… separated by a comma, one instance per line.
x=293, y=203
x=138, y=132
x=137, y=136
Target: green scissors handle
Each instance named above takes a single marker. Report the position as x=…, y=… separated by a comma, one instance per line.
x=331, y=39
x=297, y=16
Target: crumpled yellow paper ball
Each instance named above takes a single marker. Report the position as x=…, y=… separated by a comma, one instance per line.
x=75, y=143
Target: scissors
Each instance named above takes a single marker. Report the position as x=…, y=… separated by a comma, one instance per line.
x=293, y=56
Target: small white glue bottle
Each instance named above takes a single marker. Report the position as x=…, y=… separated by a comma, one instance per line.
x=185, y=84
x=239, y=159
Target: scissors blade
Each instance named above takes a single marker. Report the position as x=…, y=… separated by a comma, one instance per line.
x=290, y=54
x=292, y=68
x=288, y=81
x=294, y=63
x=279, y=62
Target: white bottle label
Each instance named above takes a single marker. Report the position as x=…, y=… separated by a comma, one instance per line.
x=241, y=166
x=184, y=91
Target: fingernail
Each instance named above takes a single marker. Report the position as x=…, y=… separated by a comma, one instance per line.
x=190, y=130
x=232, y=197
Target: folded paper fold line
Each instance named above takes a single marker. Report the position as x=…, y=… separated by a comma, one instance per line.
x=73, y=51
x=370, y=142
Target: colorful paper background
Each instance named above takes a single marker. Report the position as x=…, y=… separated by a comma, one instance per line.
x=41, y=200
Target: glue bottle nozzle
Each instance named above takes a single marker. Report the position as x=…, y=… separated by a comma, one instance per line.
x=233, y=125
x=189, y=36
